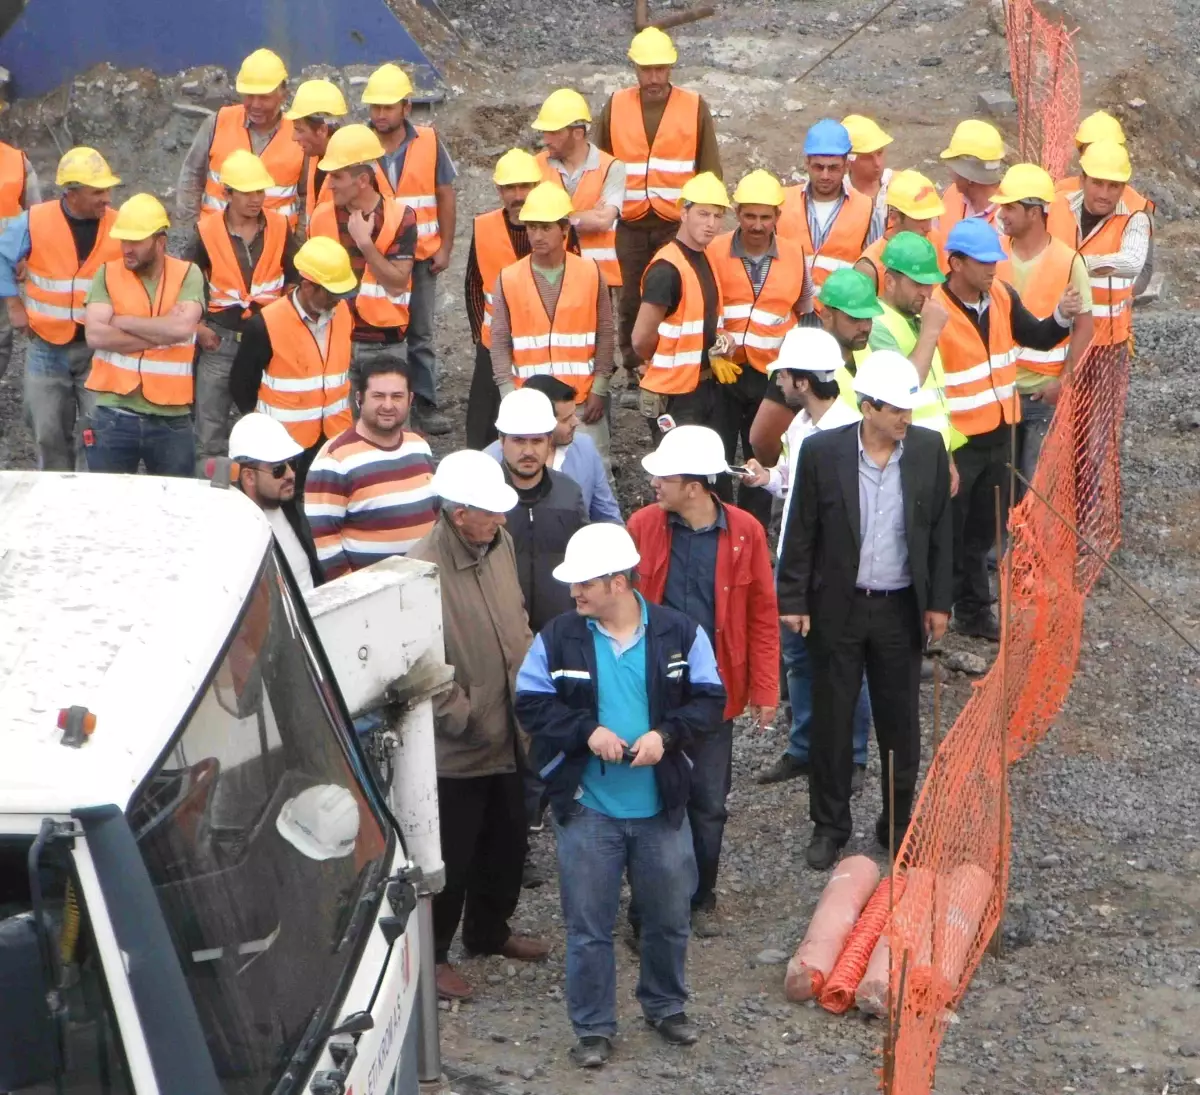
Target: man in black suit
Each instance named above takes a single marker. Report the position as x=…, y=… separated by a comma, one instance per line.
x=866, y=576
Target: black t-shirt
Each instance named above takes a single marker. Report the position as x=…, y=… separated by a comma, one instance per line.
x=663, y=286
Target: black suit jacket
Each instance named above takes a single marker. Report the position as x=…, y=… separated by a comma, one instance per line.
x=818, y=568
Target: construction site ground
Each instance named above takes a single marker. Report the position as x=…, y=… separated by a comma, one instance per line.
x=1097, y=989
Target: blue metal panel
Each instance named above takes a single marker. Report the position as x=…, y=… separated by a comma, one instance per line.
x=166, y=36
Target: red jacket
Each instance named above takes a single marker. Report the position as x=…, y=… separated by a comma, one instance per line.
x=747, y=635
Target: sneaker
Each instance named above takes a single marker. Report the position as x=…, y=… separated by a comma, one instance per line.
x=591, y=1051
x=705, y=922
x=980, y=625
x=823, y=851
x=677, y=1029
x=785, y=768
x=858, y=779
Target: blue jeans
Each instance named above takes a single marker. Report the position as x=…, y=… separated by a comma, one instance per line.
x=1036, y=416
x=594, y=851
x=422, y=306
x=121, y=440
x=57, y=404
x=799, y=683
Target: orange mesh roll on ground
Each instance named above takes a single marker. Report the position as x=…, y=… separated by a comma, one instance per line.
x=838, y=994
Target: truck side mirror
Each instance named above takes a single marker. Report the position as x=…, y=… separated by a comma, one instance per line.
x=27, y=1034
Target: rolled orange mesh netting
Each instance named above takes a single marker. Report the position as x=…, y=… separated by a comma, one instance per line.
x=845, y=894
x=838, y=994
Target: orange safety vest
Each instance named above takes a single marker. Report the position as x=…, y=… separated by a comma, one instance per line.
x=980, y=379
x=1048, y=281
x=675, y=368
x=758, y=323
x=304, y=388
x=313, y=197
x=493, y=252
x=564, y=347
x=164, y=372
x=374, y=305
x=226, y=286
x=654, y=175
x=282, y=157
x=845, y=241
x=417, y=187
x=600, y=247
x=1134, y=202
x=56, y=282
x=12, y=183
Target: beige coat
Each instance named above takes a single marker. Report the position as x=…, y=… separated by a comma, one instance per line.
x=487, y=637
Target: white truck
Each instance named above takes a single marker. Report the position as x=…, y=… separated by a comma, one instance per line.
x=203, y=888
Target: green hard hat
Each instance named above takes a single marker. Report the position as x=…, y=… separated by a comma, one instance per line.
x=850, y=291
x=913, y=256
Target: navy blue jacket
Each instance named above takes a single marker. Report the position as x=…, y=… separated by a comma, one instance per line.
x=556, y=701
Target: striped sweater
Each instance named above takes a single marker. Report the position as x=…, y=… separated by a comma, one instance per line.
x=365, y=503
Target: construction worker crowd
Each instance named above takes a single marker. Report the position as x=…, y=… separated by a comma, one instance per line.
x=614, y=267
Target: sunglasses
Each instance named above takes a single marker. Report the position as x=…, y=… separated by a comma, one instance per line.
x=278, y=471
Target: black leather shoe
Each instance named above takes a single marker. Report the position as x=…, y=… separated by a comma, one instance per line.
x=822, y=851
x=979, y=625
x=677, y=1029
x=591, y=1051
x=786, y=767
x=881, y=831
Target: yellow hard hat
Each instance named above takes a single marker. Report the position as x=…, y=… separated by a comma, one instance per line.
x=652, y=47
x=704, y=189
x=261, y=73
x=517, y=168
x=244, y=171
x=912, y=194
x=1106, y=160
x=350, y=145
x=317, y=97
x=139, y=218
x=85, y=167
x=547, y=203
x=326, y=262
x=865, y=134
x=1100, y=126
x=562, y=108
x=759, y=188
x=975, y=138
x=388, y=84
x=1025, y=182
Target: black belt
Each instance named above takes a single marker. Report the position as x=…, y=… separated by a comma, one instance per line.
x=882, y=592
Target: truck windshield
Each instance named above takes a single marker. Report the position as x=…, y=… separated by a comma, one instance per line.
x=262, y=847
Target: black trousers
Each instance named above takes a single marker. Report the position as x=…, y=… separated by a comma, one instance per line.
x=483, y=401
x=736, y=406
x=483, y=831
x=982, y=467
x=880, y=634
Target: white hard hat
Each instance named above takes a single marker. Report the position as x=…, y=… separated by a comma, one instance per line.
x=597, y=550
x=687, y=450
x=472, y=478
x=321, y=822
x=888, y=376
x=526, y=413
x=262, y=438
x=810, y=350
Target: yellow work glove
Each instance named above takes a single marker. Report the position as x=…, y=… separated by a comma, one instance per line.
x=724, y=370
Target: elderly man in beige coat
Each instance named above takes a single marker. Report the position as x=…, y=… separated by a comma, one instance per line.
x=480, y=796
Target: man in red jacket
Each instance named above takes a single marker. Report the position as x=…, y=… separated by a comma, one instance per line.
x=711, y=561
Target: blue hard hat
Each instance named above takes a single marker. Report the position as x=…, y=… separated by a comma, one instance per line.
x=827, y=138
x=976, y=239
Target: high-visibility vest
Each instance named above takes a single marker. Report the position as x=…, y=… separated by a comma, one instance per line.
x=226, y=286
x=675, y=368
x=417, y=188
x=1112, y=296
x=305, y=389
x=1048, y=280
x=1134, y=202
x=655, y=174
x=12, y=183
x=493, y=252
x=979, y=379
x=164, y=372
x=566, y=347
x=374, y=305
x=600, y=247
x=314, y=196
x=56, y=282
x=757, y=323
x=845, y=240
x=956, y=210
x=282, y=157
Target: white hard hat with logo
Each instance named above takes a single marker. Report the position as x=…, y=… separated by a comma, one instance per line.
x=525, y=413
x=261, y=438
x=687, y=450
x=472, y=478
x=595, y=551
x=321, y=822
x=889, y=377
x=808, y=350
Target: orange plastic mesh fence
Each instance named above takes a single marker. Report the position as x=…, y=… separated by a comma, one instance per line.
x=956, y=854
x=1045, y=79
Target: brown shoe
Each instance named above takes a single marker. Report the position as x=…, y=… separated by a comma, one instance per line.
x=451, y=985
x=524, y=949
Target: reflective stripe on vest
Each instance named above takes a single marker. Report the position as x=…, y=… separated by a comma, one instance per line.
x=282, y=157
x=844, y=241
x=164, y=373
x=305, y=389
x=675, y=367
x=600, y=247
x=417, y=187
x=564, y=347
x=374, y=304
x=655, y=174
x=493, y=252
x=56, y=282
x=1048, y=279
x=226, y=284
